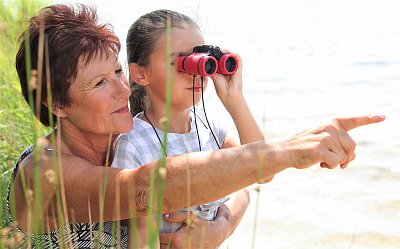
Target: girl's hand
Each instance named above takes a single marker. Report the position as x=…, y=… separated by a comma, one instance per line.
x=229, y=87
x=199, y=233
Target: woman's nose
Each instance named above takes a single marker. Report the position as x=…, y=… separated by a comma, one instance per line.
x=122, y=87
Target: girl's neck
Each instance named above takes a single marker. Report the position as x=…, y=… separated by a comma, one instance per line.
x=89, y=146
x=179, y=119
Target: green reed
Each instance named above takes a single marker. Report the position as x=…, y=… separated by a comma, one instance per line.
x=17, y=124
x=17, y=115
x=17, y=129
x=157, y=181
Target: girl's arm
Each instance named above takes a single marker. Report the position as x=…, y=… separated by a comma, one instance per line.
x=199, y=233
x=236, y=207
x=229, y=90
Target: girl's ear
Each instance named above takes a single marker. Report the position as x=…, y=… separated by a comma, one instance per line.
x=58, y=111
x=138, y=74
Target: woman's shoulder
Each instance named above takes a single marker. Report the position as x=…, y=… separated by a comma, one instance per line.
x=41, y=150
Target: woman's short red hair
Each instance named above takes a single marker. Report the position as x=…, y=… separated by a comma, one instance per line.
x=71, y=33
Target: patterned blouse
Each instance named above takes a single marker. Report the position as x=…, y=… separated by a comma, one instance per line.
x=76, y=235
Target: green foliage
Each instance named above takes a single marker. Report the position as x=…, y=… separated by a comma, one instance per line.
x=16, y=119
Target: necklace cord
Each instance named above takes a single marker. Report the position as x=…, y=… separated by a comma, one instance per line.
x=194, y=111
x=205, y=114
x=155, y=131
x=195, y=119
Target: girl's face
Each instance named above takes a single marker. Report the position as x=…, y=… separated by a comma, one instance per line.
x=99, y=96
x=182, y=42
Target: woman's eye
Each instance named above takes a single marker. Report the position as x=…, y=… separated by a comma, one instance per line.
x=100, y=83
x=119, y=71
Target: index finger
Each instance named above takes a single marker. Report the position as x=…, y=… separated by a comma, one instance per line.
x=350, y=123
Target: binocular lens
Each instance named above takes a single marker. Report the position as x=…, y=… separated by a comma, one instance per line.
x=230, y=64
x=210, y=66
x=227, y=64
x=198, y=64
x=206, y=62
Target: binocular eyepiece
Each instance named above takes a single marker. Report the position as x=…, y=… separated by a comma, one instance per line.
x=207, y=60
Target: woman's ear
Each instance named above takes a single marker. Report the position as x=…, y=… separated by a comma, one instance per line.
x=138, y=74
x=58, y=111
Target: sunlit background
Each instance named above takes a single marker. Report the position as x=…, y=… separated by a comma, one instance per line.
x=306, y=61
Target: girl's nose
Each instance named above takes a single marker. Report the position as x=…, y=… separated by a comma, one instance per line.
x=198, y=79
x=195, y=76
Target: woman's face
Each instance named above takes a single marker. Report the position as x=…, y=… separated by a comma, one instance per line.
x=182, y=42
x=99, y=96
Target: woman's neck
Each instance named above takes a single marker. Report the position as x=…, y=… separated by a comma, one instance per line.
x=89, y=146
x=179, y=119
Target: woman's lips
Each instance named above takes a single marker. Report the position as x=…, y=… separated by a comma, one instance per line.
x=122, y=110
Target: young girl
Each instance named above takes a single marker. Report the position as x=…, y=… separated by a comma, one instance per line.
x=189, y=128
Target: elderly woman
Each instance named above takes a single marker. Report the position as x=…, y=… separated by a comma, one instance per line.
x=76, y=63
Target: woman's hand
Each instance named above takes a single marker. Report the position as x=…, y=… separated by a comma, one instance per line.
x=330, y=144
x=197, y=233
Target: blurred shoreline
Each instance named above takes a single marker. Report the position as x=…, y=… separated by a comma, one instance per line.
x=317, y=208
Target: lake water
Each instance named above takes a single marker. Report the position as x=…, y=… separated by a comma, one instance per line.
x=306, y=61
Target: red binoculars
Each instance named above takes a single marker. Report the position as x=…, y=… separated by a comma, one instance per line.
x=207, y=60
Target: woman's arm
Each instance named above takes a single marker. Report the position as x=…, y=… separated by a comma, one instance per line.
x=236, y=167
x=83, y=184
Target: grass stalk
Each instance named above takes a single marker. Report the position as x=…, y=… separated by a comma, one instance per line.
x=261, y=177
x=103, y=187
x=37, y=222
x=157, y=181
x=14, y=17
